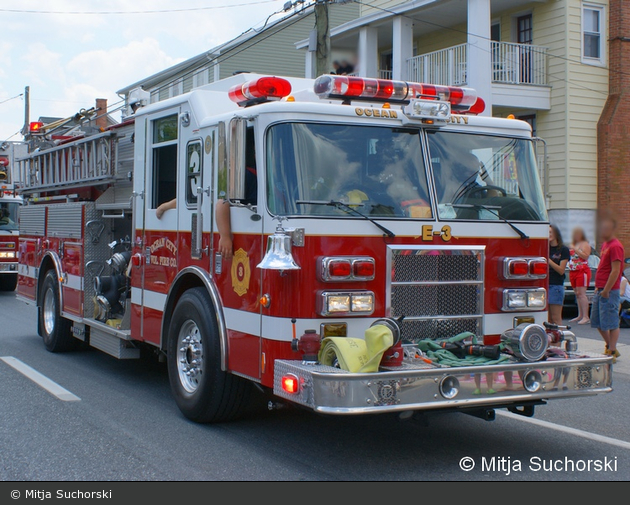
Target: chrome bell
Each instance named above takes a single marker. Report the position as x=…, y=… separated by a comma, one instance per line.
x=278, y=255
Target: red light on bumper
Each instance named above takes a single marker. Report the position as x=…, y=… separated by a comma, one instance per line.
x=290, y=384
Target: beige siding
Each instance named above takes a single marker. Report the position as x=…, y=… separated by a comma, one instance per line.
x=586, y=93
x=375, y=4
x=276, y=54
x=441, y=39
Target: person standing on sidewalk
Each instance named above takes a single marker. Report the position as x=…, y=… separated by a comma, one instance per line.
x=605, y=310
x=580, y=273
x=558, y=258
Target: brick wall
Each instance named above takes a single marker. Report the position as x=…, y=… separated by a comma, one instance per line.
x=101, y=105
x=613, y=128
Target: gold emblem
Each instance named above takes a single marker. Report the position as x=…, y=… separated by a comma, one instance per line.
x=369, y=112
x=240, y=272
x=208, y=144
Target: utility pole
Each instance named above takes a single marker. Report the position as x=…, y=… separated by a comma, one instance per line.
x=323, y=65
x=27, y=110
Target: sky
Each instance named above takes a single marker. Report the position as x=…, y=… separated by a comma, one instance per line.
x=69, y=60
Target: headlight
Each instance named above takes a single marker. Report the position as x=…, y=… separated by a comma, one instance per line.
x=10, y=254
x=537, y=299
x=524, y=299
x=359, y=303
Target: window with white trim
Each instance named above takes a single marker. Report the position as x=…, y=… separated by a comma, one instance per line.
x=200, y=78
x=593, y=36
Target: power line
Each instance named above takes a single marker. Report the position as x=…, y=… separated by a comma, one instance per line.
x=157, y=11
x=12, y=98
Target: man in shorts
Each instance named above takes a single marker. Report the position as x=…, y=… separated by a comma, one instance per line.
x=605, y=310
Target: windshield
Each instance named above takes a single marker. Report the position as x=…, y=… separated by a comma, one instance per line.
x=379, y=171
x=8, y=216
x=482, y=177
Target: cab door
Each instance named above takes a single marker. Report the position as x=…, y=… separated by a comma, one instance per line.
x=158, y=147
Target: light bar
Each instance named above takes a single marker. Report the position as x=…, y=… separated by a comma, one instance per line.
x=382, y=90
x=260, y=90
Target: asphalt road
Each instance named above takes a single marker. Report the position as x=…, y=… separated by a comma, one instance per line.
x=127, y=427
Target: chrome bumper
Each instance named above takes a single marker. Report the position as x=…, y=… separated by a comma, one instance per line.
x=417, y=386
x=9, y=268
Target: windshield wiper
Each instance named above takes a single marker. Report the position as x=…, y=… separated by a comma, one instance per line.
x=347, y=208
x=493, y=211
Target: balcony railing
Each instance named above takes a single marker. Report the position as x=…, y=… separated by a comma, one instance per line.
x=511, y=64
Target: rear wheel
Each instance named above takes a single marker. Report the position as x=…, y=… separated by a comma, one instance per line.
x=203, y=392
x=8, y=282
x=55, y=329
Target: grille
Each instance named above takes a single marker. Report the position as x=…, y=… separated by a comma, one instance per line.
x=438, y=290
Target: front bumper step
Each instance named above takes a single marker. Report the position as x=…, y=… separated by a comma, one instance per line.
x=419, y=386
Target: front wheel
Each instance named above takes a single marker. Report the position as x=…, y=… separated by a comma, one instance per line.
x=203, y=392
x=55, y=328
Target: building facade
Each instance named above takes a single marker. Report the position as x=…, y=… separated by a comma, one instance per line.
x=543, y=61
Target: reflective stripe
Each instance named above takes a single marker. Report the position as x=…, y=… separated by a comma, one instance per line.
x=152, y=299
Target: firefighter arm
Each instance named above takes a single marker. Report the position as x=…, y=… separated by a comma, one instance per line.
x=166, y=206
x=225, y=228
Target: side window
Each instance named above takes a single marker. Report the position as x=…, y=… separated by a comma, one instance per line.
x=194, y=160
x=164, y=175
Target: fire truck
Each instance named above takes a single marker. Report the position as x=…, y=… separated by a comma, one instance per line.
x=348, y=245
x=9, y=204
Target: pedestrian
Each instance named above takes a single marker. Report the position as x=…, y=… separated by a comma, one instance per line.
x=580, y=273
x=559, y=256
x=605, y=310
x=336, y=68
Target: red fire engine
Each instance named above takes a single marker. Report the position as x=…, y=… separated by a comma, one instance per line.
x=9, y=204
x=384, y=250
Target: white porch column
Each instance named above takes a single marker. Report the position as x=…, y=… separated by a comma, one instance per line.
x=368, y=52
x=402, y=46
x=479, y=68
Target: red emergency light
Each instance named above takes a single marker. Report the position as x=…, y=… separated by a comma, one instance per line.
x=349, y=88
x=4, y=161
x=260, y=90
x=36, y=126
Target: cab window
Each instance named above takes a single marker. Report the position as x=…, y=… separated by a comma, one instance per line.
x=164, y=169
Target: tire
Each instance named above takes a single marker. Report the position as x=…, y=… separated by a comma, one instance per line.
x=203, y=392
x=55, y=329
x=8, y=282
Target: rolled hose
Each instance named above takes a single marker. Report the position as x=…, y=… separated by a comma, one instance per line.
x=436, y=353
x=356, y=354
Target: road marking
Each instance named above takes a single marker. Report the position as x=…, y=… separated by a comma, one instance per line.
x=41, y=380
x=565, y=429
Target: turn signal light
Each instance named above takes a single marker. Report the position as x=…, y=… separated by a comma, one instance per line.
x=340, y=269
x=290, y=384
x=538, y=268
x=519, y=268
x=365, y=269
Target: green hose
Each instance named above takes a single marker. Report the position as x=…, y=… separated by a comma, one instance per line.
x=437, y=354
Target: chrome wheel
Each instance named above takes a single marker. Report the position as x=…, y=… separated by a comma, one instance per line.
x=189, y=356
x=49, y=311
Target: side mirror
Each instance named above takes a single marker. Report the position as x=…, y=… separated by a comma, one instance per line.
x=236, y=159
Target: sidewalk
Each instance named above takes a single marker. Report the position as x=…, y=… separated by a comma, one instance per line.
x=589, y=345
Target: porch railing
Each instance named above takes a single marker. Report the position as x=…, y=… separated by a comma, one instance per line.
x=511, y=64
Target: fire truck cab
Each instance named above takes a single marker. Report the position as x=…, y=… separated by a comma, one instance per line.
x=385, y=249
x=9, y=204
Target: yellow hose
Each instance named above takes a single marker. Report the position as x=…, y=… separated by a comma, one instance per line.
x=356, y=354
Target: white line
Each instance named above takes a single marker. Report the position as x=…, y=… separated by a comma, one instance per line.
x=41, y=380
x=565, y=429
